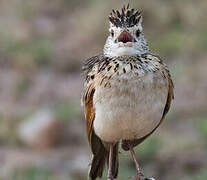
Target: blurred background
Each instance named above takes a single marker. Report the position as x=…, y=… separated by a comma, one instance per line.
x=43, y=44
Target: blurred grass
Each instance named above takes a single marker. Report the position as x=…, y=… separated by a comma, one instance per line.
x=8, y=129
x=202, y=175
x=148, y=150
x=67, y=111
x=23, y=87
x=37, y=50
x=32, y=173
x=202, y=127
x=177, y=41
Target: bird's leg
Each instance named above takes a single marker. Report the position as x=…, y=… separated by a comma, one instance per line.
x=140, y=176
x=109, y=175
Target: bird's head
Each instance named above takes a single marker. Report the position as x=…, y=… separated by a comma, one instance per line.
x=126, y=34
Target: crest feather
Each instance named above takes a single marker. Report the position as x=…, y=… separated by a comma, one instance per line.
x=125, y=18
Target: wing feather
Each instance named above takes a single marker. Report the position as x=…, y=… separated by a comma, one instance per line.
x=89, y=109
x=92, y=78
x=100, y=154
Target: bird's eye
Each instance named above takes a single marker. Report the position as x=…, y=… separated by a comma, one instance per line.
x=138, y=33
x=112, y=33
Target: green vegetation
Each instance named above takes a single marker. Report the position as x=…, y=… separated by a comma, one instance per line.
x=67, y=111
x=23, y=86
x=201, y=175
x=202, y=127
x=148, y=150
x=37, y=50
x=32, y=173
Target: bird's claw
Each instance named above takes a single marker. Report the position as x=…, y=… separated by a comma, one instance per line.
x=138, y=177
x=141, y=177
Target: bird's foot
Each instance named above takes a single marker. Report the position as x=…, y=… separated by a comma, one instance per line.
x=139, y=176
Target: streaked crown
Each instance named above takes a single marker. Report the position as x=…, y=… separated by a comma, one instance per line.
x=125, y=18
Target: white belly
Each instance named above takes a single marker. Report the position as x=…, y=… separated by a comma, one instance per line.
x=130, y=108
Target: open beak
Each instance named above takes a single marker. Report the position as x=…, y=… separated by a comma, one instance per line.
x=125, y=37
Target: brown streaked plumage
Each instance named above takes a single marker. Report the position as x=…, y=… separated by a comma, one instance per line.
x=126, y=96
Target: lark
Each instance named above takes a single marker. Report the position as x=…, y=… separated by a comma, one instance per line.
x=127, y=94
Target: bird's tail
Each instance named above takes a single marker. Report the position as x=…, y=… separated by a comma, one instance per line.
x=115, y=161
x=99, y=160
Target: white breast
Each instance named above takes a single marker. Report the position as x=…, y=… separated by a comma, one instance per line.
x=131, y=107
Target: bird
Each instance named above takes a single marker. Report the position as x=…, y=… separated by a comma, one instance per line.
x=127, y=94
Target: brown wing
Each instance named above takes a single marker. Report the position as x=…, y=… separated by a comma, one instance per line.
x=169, y=97
x=166, y=109
x=100, y=153
x=90, y=69
x=89, y=109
